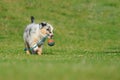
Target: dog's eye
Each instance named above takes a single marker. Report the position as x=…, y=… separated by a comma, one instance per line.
x=47, y=29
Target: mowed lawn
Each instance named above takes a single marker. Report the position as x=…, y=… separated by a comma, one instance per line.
x=86, y=34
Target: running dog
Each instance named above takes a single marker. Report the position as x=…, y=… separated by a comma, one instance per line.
x=35, y=35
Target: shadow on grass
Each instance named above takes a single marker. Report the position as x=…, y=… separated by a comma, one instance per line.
x=112, y=51
x=48, y=53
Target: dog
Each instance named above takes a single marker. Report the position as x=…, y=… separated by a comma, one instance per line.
x=35, y=35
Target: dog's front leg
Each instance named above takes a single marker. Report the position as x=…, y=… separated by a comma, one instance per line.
x=39, y=51
x=28, y=52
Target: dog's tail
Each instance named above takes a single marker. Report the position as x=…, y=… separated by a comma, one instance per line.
x=32, y=19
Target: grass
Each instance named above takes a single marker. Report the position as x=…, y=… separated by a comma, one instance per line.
x=86, y=35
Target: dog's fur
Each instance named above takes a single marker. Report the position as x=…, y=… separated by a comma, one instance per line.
x=35, y=32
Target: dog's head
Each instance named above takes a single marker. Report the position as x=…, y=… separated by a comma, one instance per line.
x=46, y=29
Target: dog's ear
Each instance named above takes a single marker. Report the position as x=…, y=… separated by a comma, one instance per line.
x=43, y=24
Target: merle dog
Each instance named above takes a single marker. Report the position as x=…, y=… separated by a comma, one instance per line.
x=35, y=35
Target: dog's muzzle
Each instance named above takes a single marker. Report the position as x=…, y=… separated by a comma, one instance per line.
x=50, y=36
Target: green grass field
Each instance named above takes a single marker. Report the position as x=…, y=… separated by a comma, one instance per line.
x=87, y=36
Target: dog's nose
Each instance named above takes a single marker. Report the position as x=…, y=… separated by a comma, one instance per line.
x=51, y=36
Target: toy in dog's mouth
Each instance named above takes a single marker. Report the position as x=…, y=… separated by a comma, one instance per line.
x=51, y=42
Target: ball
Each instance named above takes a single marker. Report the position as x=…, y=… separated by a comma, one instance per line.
x=51, y=42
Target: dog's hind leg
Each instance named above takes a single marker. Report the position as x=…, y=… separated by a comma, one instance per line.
x=27, y=49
